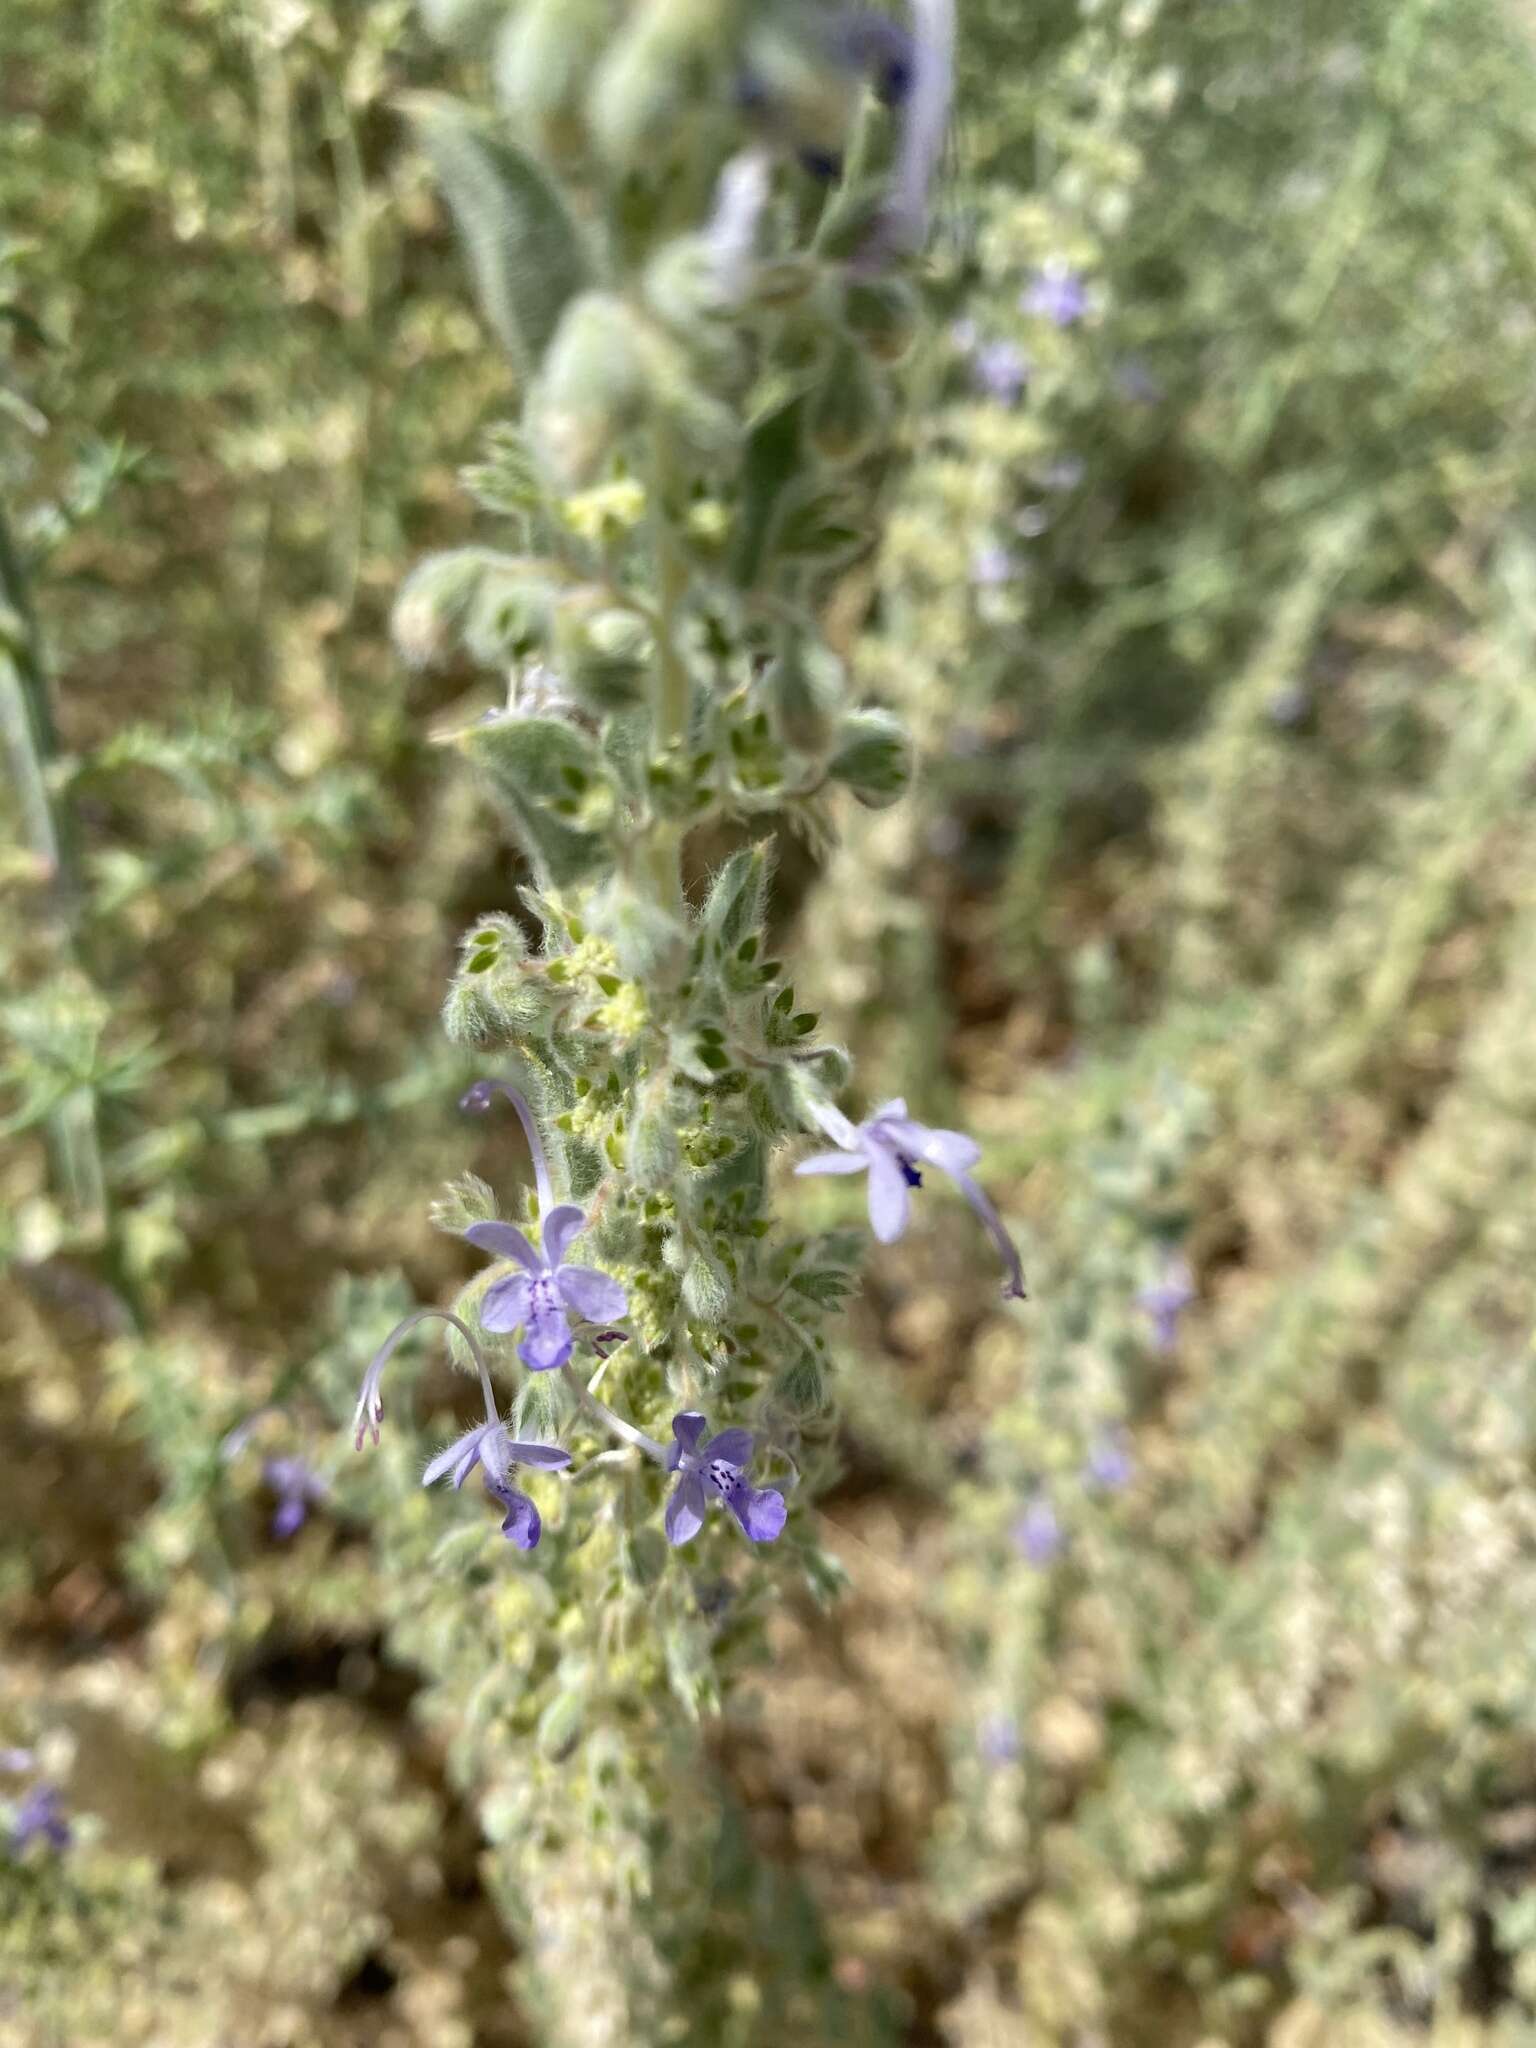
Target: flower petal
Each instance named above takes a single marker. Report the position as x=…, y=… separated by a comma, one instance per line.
x=950, y=1151
x=591, y=1294
x=547, y=1342
x=835, y=1124
x=687, y=1428
x=464, y=1450
x=496, y=1458
x=506, y=1303
x=896, y=1107
x=685, y=1510
x=734, y=1446
x=548, y=1457
x=521, y=1524
x=504, y=1241
x=889, y=1201
x=833, y=1162
x=760, y=1511
x=559, y=1227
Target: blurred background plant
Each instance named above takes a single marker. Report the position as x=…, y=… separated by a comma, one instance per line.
x=1182, y=1690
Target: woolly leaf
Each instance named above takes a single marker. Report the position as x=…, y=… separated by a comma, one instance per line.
x=524, y=248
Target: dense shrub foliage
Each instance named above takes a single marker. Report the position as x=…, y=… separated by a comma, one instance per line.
x=1148, y=1664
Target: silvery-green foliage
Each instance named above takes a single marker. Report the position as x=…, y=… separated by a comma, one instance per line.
x=694, y=258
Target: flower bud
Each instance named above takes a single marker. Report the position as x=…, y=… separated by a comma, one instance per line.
x=873, y=757
x=590, y=390
x=653, y=1148
x=848, y=412
x=706, y=1296
x=662, y=74
x=543, y=68
x=600, y=650
x=804, y=685
x=433, y=604
x=881, y=313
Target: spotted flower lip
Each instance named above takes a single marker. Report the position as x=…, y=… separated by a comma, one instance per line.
x=893, y=1148
x=718, y=1467
x=541, y=1298
x=498, y=1455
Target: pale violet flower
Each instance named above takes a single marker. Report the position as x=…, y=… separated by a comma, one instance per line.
x=498, y=1455
x=1056, y=293
x=40, y=1817
x=892, y=1148
x=1037, y=1534
x=992, y=566
x=717, y=1467
x=1109, y=1466
x=1165, y=1302
x=1001, y=369
x=541, y=1299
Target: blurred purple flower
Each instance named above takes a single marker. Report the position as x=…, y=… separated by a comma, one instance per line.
x=992, y=565
x=719, y=1466
x=1037, y=1534
x=1109, y=1465
x=891, y=1147
x=1166, y=1301
x=1056, y=293
x=1001, y=369
x=998, y=1739
x=41, y=1817
x=498, y=1455
x=298, y=1488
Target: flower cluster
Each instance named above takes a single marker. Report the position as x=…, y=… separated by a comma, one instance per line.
x=553, y=1307
x=694, y=238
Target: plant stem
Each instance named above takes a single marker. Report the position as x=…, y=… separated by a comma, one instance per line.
x=670, y=689
x=31, y=744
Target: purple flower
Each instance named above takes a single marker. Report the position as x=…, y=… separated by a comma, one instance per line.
x=998, y=1739
x=1109, y=1465
x=488, y=1446
x=891, y=1147
x=298, y=1489
x=718, y=1467
x=991, y=565
x=1166, y=1302
x=41, y=1817
x=1001, y=370
x=541, y=1299
x=1037, y=1534
x=1056, y=293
